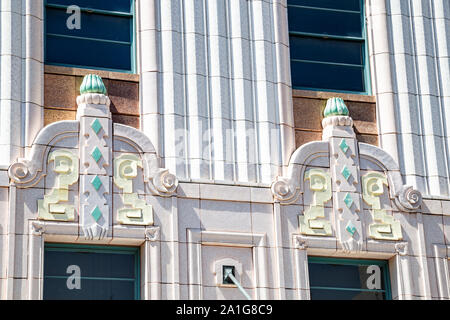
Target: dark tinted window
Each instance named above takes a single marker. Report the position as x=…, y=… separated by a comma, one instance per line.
x=346, y=279
x=106, y=273
x=325, y=22
x=109, y=5
x=104, y=39
x=327, y=45
x=351, y=5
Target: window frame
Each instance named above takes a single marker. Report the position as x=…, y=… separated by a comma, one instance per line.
x=383, y=264
x=133, y=48
x=365, y=57
x=74, y=247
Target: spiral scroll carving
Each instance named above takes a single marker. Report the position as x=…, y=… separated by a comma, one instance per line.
x=165, y=182
x=283, y=191
x=18, y=171
x=409, y=199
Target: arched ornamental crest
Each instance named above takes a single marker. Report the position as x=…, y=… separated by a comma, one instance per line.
x=93, y=171
x=349, y=190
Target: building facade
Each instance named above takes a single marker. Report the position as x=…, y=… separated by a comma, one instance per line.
x=152, y=148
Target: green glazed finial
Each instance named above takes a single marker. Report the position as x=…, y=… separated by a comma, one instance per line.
x=92, y=83
x=335, y=107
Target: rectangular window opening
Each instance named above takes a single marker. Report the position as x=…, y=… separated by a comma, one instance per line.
x=348, y=279
x=86, y=272
x=101, y=36
x=328, y=45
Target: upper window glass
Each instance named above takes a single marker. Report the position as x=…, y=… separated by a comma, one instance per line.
x=348, y=279
x=328, y=45
x=100, y=35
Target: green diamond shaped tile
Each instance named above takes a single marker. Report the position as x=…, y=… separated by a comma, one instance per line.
x=350, y=228
x=343, y=145
x=96, y=154
x=96, y=126
x=346, y=173
x=96, y=182
x=96, y=213
x=348, y=200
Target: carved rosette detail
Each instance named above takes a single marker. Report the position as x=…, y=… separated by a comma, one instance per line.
x=408, y=199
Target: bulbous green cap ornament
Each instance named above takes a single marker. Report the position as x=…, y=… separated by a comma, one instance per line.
x=335, y=107
x=92, y=83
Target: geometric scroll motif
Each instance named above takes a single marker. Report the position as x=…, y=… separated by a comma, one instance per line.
x=385, y=227
x=313, y=221
x=54, y=206
x=136, y=212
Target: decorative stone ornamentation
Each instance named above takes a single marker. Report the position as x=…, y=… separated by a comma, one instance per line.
x=343, y=145
x=348, y=200
x=18, y=171
x=346, y=172
x=313, y=221
x=343, y=153
x=54, y=206
x=92, y=83
x=137, y=212
x=408, y=199
x=335, y=107
x=96, y=126
x=96, y=141
x=90, y=160
x=165, y=182
x=283, y=191
x=152, y=233
x=351, y=228
x=385, y=227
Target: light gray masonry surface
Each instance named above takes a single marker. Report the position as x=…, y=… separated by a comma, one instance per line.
x=219, y=69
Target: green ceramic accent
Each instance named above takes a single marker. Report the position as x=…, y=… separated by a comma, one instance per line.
x=96, y=154
x=96, y=126
x=348, y=200
x=96, y=182
x=346, y=173
x=335, y=107
x=350, y=228
x=343, y=145
x=96, y=214
x=92, y=83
